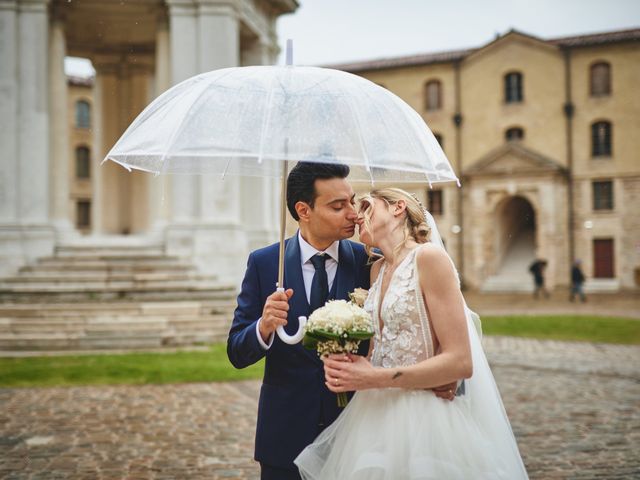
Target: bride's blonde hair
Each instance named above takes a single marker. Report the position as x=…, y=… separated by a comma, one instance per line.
x=415, y=223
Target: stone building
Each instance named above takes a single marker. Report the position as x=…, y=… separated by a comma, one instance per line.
x=544, y=136
x=53, y=134
x=541, y=132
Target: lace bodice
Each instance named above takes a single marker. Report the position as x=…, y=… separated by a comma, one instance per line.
x=405, y=337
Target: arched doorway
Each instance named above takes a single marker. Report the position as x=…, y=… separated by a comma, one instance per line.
x=516, y=235
x=513, y=245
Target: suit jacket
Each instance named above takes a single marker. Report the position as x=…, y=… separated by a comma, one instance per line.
x=294, y=404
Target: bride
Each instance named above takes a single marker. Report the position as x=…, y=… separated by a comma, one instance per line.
x=395, y=427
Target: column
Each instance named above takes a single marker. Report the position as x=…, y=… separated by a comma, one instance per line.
x=219, y=47
x=33, y=115
x=160, y=186
x=260, y=196
x=183, y=27
x=8, y=112
x=59, y=131
x=97, y=155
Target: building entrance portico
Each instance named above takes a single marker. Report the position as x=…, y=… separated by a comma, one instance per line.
x=138, y=49
x=513, y=194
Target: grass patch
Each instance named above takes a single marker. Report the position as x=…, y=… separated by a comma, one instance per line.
x=565, y=327
x=213, y=365
x=132, y=368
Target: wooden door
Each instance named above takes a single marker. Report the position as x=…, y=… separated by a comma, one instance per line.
x=603, y=258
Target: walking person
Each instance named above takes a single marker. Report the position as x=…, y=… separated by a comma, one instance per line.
x=577, y=281
x=537, y=269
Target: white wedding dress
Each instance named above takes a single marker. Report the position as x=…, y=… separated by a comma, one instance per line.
x=396, y=434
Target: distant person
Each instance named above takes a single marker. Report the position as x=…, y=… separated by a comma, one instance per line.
x=537, y=269
x=577, y=281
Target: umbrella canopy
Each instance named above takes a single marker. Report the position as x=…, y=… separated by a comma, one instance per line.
x=248, y=120
x=253, y=121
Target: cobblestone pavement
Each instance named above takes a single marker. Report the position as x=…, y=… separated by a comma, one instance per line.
x=574, y=407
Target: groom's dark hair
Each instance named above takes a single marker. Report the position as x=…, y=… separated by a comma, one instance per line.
x=302, y=179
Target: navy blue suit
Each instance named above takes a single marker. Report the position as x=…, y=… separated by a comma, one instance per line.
x=295, y=404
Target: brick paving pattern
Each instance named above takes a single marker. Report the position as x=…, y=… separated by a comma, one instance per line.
x=574, y=407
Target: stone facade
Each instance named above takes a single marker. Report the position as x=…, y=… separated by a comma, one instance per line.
x=547, y=174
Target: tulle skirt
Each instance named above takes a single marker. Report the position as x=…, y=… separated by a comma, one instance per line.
x=394, y=434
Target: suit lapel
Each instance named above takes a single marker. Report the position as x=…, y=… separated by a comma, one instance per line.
x=345, y=276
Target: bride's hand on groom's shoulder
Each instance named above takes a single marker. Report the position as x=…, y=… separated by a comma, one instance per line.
x=348, y=373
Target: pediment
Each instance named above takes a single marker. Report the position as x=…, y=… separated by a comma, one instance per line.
x=513, y=159
x=512, y=36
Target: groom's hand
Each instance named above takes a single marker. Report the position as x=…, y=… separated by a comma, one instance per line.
x=275, y=312
x=447, y=392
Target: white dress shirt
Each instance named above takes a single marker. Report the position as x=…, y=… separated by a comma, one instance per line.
x=308, y=271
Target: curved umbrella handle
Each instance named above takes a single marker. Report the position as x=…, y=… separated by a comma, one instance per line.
x=296, y=337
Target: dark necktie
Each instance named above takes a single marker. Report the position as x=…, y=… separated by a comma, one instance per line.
x=319, y=284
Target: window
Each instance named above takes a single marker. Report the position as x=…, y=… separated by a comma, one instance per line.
x=433, y=95
x=513, y=87
x=601, y=139
x=514, y=134
x=83, y=214
x=83, y=164
x=603, y=259
x=439, y=139
x=83, y=114
x=434, y=200
x=603, y=195
x=600, y=79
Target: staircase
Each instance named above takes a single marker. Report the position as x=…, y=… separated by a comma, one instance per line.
x=514, y=275
x=112, y=297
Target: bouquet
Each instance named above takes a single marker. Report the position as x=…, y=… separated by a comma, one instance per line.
x=339, y=327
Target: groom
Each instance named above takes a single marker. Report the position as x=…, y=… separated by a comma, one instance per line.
x=320, y=264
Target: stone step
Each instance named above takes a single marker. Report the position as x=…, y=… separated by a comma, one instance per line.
x=111, y=324
x=123, y=295
x=101, y=266
x=114, y=286
x=123, y=308
x=112, y=296
x=51, y=278
x=124, y=262
x=112, y=340
x=89, y=309
x=110, y=250
x=507, y=283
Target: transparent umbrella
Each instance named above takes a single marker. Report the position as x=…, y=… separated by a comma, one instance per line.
x=253, y=121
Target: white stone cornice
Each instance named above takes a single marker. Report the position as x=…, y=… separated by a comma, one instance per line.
x=255, y=20
x=37, y=6
x=181, y=7
x=8, y=5
x=218, y=7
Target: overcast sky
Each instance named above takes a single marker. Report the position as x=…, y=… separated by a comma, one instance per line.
x=336, y=31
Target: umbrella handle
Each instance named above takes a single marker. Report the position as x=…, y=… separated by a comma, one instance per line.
x=296, y=337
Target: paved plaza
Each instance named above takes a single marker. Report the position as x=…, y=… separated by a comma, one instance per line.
x=574, y=407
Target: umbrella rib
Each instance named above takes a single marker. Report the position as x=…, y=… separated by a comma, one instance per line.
x=181, y=125
x=265, y=119
x=384, y=118
x=360, y=139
